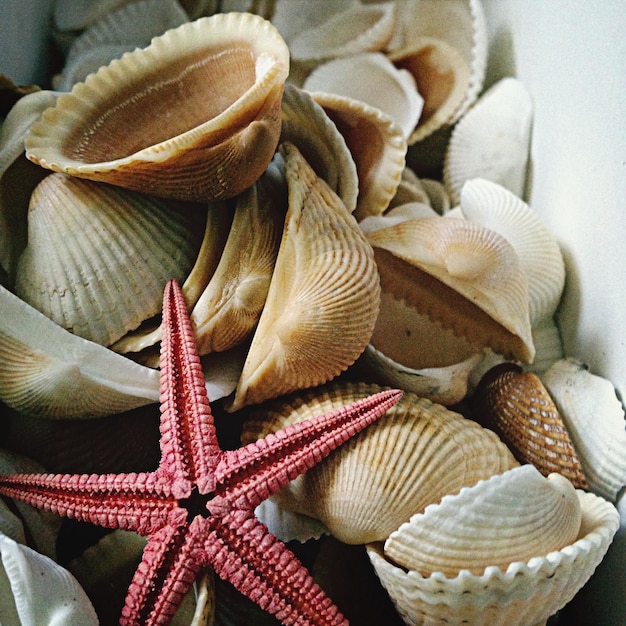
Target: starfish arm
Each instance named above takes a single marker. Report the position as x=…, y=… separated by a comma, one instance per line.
x=127, y=501
x=243, y=551
x=247, y=476
x=189, y=443
x=170, y=562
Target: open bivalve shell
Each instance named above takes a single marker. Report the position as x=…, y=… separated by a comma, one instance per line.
x=124, y=125
x=462, y=275
x=526, y=592
x=413, y=456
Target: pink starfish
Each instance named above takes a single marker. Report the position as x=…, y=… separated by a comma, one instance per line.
x=197, y=507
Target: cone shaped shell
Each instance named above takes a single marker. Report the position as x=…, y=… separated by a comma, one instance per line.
x=463, y=275
x=526, y=593
x=417, y=453
x=323, y=298
x=594, y=417
x=519, y=408
x=98, y=256
x=125, y=124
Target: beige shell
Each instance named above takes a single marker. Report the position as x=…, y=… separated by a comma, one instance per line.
x=125, y=124
x=323, y=298
x=594, y=417
x=47, y=372
x=492, y=140
x=463, y=275
x=413, y=456
x=98, y=257
x=492, y=205
x=526, y=593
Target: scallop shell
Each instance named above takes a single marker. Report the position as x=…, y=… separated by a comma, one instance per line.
x=323, y=298
x=517, y=406
x=548, y=345
x=124, y=125
x=594, y=417
x=98, y=257
x=230, y=307
x=526, y=593
x=463, y=275
x=46, y=371
x=417, y=453
x=492, y=205
x=492, y=141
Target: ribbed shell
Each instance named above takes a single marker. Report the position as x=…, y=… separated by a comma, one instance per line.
x=463, y=275
x=517, y=406
x=413, y=456
x=98, y=257
x=514, y=516
x=492, y=141
x=323, y=298
x=492, y=205
x=526, y=593
x=594, y=417
x=195, y=115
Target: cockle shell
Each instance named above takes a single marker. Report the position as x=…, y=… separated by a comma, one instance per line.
x=492, y=141
x=463, y=275
x=525, y=593
x=46, y=371
x=323, y=298
x=124, y=125
x=517, y=406
x=594, y=417
x=413, y=456
x=98, y=256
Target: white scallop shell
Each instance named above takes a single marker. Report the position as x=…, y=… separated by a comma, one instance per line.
x=492, y=140
x=594, y=417
x=548, y=345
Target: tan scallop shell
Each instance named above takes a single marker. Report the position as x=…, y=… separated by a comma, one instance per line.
x=526, y=593
x=594, y=417
x=517, y=406
x=463, y=275
x=323, y=298
x=125, y=124
x=98, y=257
x=413, y=456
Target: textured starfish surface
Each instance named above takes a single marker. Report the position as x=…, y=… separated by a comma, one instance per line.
x=197, y=507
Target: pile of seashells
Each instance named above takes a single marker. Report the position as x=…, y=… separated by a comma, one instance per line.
x=343, y=205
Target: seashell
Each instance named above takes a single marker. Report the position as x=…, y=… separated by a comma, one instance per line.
x=230, y=307
x=412, y=457
x=492, y=141
x=525, y=593
x=410, y=189
x=490, y=204
x=377, y=148
x=517, y=406
x=76, y=15
x=507, y=518
x=401, y=213
x=310, y=129
x=124, y=125
x=98, y=257
x=46, y=371
x=463, y=275
x=323, y=298
x=548, y=345
x=594, y=417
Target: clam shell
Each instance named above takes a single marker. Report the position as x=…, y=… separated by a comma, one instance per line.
x=98, y=257
x=492, y=205
x=548, y=344
x=519, y=408
x=594, y=417
x=526, y=593
x=124, y=125
x=76, y=15
x=46, y=371
x=463, y=275
x=492, y=141
x=413, y=456
x=323, y=298
x=510, y=517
